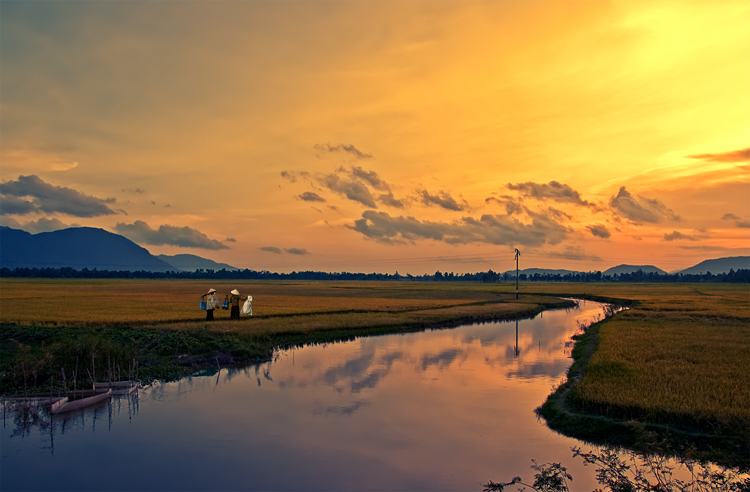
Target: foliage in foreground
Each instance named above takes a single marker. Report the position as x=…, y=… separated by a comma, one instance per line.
x=639, y=473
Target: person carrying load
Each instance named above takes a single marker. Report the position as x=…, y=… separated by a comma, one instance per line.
x=247, y=308
x=234, y=301
x=212, y=302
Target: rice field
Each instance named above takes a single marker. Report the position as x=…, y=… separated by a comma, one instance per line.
x=677, y=361
x=670, y=371
x=135, y=302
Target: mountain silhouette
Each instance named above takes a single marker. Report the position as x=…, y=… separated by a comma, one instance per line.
x=540, y=271
x=190, y=263
x=719, y=265
x=75, y=247
x=620, y=269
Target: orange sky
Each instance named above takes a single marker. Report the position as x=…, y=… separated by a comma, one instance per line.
x=383, y=136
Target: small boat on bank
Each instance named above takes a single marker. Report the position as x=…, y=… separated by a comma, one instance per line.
x=117, y=387
x=66, y=405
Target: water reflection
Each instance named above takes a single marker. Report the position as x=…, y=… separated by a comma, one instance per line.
x=24, y=418
x=438, y=410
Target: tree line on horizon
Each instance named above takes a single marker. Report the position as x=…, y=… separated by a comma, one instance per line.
x=737, y=276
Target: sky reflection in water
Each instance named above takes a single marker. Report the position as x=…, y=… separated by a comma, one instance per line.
x=437, y=410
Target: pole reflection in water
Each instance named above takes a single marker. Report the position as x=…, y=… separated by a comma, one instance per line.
x=436, y=410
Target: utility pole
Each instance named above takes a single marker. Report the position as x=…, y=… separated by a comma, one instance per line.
x=518, y=253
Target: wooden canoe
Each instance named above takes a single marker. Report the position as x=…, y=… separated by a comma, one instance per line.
x=117, y=387
x=65, y=405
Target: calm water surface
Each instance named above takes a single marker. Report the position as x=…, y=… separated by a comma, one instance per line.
x=437, y=410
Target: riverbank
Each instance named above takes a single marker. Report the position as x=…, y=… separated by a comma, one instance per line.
x=38, y=345
x=668, y=375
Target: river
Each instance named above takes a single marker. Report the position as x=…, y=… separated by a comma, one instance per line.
x=444, y=409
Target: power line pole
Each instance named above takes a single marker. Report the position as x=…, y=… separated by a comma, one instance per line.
x=518, y=253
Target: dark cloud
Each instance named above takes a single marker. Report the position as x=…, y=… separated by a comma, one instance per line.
x=289, y=175
x=335, y=209
x=390, y=201
x=441, y=199
x=640, y=209
x=230, y=240
x=350, y=149
x=43, y=224
x=512, y=205
x=677, y=235
x=47, y=198
x=739, y=222
x=732, y=156
x=292, y=176
x=356, y=184
x=550, y=191
x=10, y=205
x=271, y=249
x=351, y=188
x=10, y=222
x=137, y=190
x=183, y=237
x=297, y=251
x=558, y=214
x=599, y=230
x=371, y=177
x=309, y=196
x=491, y=229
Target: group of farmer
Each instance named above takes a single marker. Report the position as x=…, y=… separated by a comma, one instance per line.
x=231, y=302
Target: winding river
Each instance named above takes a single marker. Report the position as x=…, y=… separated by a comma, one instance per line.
x=443, y=409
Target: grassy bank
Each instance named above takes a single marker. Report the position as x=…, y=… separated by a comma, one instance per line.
x=671, y=371
x=55, y=326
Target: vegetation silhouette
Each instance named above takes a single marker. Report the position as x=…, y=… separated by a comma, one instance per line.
x=736, y=276
x=618, y=471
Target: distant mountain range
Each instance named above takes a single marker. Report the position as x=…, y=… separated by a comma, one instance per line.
x=87, y=247
x=541, y=271
x=76, y=247
x=620, y=269
x=719, y=265
x=191, y=263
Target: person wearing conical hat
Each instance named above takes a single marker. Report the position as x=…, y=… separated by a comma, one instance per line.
x=212, y=302
x=234, y=304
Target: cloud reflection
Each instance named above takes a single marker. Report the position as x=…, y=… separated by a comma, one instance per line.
x=441, y=360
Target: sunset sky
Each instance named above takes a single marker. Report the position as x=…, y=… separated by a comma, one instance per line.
x=383, y=136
